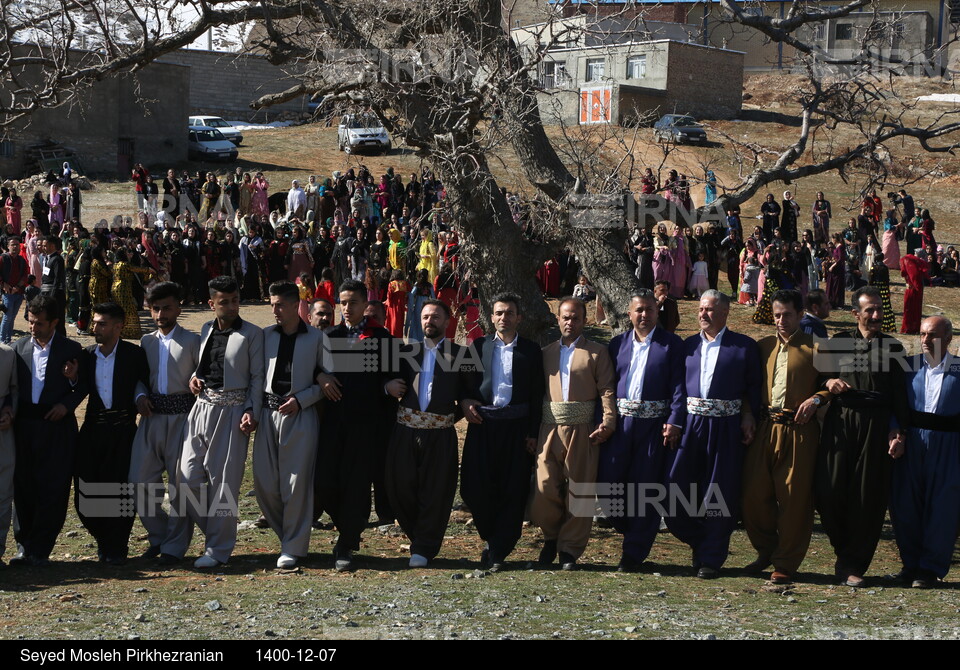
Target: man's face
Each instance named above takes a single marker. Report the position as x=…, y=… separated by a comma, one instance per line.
x=321, y=315
x=40, y=327
x=786, y=318
x=712, y=314
x=106, y=329
x=376, y=312
x=822, y=311
x=869, y=314
x=505, y=318
x=934, y=338
x=165, y=312
x=571, y=320
x=42, y=246
x=226, y=306
x=434, y=320
x=285, y=312
x=13, y=246
x=643, y=314
x=660, y=291
x=352, y=305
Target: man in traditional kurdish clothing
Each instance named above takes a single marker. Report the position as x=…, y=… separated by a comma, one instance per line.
x=437, y=378
x=502, y=435
x=285, y=446
x=925, y=497
x=116, y=370
x=852, y=478
x=779, y=465
x=229, y=386
x=723, y=397
x=577, y=374
x=652, y=411
x=173, y=354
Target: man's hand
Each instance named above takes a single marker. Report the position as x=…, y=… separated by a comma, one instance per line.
x=71, y=370
x=600, y=435
x=805, y=412
x=331, y=386
x=6, y=418
x=748, y=426
x=396, y=388
x=290, y=407
x=897, y=444
x=532, y=445
x=144, y=406
x=671, y=435
x=837, y=386
x=196, y=385
x=247, y=423
x=56, y=412
x=470, y=411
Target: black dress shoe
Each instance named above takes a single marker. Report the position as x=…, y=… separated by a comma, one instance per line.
x=152, y=552
x=261, y=522
x=905, y=576
x=19, y=559
x=627, y=564
x=706, y=572
x=548, y=554
x=342, y=559
x=168, y=559
x=924, y=579
x=485, y=558
x=38, y=561
x=567, y=562
x=498, y=567
x=115, y=560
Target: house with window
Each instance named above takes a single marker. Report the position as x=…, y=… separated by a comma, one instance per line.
x=622, y=72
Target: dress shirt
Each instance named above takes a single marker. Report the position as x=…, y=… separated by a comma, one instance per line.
x=40, y=357
x=104, y=376
x=932, y=383
x=426, y=374
x=778, y=387
x=566, y=355
x=638, y=364
x=709, y=352
x=163, y=351
x=503, y=371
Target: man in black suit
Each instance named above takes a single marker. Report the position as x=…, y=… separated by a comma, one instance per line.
x=502, y=435
x=46, y=430
x=115, y=368
x=347, y=453
x=54, y=280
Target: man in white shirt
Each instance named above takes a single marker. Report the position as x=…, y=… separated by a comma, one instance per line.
x=173, y=354
x=296, y=201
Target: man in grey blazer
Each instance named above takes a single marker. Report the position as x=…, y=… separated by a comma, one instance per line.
x=173, y=354
x=285, y=446
x=228, y=383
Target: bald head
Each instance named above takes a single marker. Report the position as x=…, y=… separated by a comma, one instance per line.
x=936, y=332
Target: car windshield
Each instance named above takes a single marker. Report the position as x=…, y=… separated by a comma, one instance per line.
x=209, y=135
x=683, y=121
x=363, y=121
x=217, y=123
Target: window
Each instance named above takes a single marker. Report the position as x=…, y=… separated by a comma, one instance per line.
x=637, y=67
x=595, y=67
x=554, y=75
x=819, y=32
x=6, y=149
x=844, y=31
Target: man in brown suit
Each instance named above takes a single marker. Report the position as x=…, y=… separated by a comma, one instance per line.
x=577, y=373
x=780, y=462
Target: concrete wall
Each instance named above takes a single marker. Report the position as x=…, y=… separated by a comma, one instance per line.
x=224, y=84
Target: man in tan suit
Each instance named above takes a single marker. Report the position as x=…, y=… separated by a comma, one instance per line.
x=780, y=462
x=172, y=354
x=577, y=373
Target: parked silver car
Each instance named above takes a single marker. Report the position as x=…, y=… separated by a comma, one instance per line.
x=362, y=132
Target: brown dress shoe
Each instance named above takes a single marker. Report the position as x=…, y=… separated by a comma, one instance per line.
x=853, y=581
x=781, y=577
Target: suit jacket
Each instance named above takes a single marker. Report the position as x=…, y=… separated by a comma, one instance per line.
x=528, y=383
x=56, y=387
x=949, y=402
x=362, y=389
x=311, y=353
x=185, y=355
x=591, y=377
x=130, y=373
x=243, y=361
x=8, y=377
x=813, y=326
x=803, y=378
x=737, y=375
x=454, y=377
x=663, y=376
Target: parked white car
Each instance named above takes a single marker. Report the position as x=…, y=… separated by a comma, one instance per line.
x=362, y=132
x=228, y=131
x=209, y=144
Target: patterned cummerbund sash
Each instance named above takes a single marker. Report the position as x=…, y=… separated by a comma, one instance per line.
x=177, y=403
x=713, y=407
x=505, y=413
x=571, y=413
x=414, y=418
x=273, y=401
x=223, y=398
x=643, y=409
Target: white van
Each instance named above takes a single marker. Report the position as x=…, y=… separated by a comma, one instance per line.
x=228, y=131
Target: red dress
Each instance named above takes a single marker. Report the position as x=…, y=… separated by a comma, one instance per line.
x=915, y=271
x=396, y=307
x=548, y=276
x=325, y=291
x=448, y=296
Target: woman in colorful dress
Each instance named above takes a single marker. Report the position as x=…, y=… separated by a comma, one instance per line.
x=260, y=204
x=396, y=303
x=124, y=275
x=299, y=259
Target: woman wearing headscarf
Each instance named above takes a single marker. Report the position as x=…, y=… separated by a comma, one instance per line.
x=428, y=255
x=260, y=202
x=789, y=217
x=397, y=254
x=124, y=275
x=13, y=207
x=299, y=259
x=891, y=244
x=420, y=293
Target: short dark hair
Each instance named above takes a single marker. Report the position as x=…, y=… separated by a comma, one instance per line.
x=438, y=303
x=162, y=291
x=323, y=300
x=643, y=294
x=662, y=282
x=285, y=289
x=815, y=297
x=569, y=298
x=45, y=305
x=378, y=304
x=511, y=298
x=109, y=309
x=222, y=284
x=354, y=286
x=870, y=291
x=788, y=296
x=54, y=240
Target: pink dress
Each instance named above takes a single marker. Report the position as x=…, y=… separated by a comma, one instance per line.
x=681, y=266
x=260, y=204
